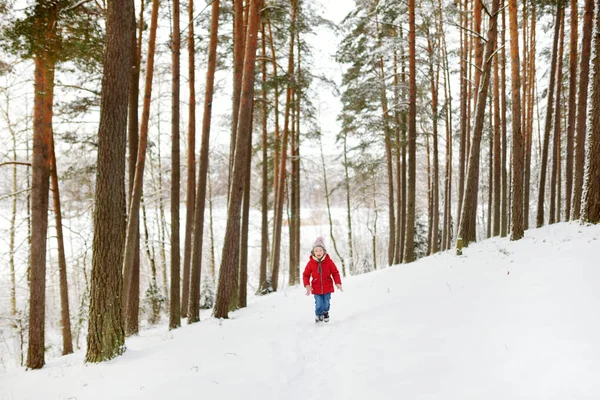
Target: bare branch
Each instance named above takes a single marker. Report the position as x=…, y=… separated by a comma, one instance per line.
x=15, y=163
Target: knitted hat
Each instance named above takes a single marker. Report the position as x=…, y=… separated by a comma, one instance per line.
x=319, y=243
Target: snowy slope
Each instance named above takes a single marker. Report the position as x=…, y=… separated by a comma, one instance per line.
x=505, y=321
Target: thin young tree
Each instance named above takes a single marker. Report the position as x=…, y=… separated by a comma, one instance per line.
x=196, y=262
x=191, y=163
x=65, y=318
x=106, y=337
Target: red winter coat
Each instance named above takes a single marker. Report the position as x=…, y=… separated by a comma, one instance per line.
x=321, y=273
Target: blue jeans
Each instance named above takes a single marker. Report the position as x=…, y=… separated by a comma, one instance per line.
x=322, y=303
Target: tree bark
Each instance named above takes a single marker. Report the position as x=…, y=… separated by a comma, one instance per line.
x=549, y=112
x=174, y=315
x=281, y=176
x=389, y=163
x=409, y=254
x=591, y=193
x=463, y=110
x=517, y=230
x=471, y=189
x=505, y=177
x=238, y=61
x=106, y=338
x=62, y=261
x=196, y=263
x=556, y=150
x=243, y=284
x=191, y=164
x=264, y=228
x=244, y=134
x=134, y=204
x=497, y=156
x=572, y=109
x=44, y=60
x=584, y=74
x=133, y=306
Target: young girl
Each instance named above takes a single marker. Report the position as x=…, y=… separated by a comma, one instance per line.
x=322, y=269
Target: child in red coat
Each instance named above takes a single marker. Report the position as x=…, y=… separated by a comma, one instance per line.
x=324, y=273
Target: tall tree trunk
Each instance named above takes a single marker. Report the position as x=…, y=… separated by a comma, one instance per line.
x=13, y=225
x=132, y=308
x=505, y=177
x=409, y=254
x=264, y=228
x=524, y=114
x=591, y=193
x=42, y=131
x=62, y=261
x=277, y=140
x=348, y=207
x=279, y=195
x=497, y=158
x=174, y=315
x=572, y=108
x=447, y=230
x=477, y=11
x=238, y=61
x=134, y=204
x=435, y=80
x=470, y=197
x=528, y=119
x=556, y=150
x=243, y=286
x=191, y=164
x=490, y=168
x=403, y=144
x=196, y=262
x=463, y=110
x=397, y=153
x=389, y=163
x=517, y=231
x=106, y=337
x=584, y=68
x=429, y=196
x=296, y=162
x=244, y=134
x=549, y=111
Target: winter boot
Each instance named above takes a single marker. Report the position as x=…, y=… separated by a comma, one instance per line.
x=326, y=317
x=318, y=318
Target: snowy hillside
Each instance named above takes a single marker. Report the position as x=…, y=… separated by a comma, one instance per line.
x=504, y=321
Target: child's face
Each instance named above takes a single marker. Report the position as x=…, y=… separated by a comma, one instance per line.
x=318, y=252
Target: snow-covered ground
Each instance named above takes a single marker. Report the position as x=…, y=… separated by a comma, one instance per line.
x=508, y=320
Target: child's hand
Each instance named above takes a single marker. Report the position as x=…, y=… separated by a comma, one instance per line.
x=308, y=290
x=339, y=286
